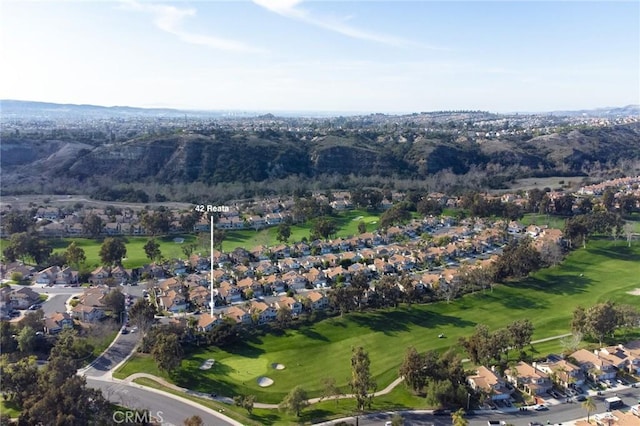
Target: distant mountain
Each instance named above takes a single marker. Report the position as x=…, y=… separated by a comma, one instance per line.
x=31, y=109
x=626, y=111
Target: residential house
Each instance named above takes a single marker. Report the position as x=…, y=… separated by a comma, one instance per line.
x=173, y=301
x=56, y=275
x=99, y=276
x=318, y=301
x=632, y=350
x=593, y=365
x=614, y=354
x=23, y=298
x=206, y=322
x=90, y=307
x=530, y=379
x=200, y=296
x=563, y=372
x=294, y=280
x=490, y=384
x=289, y=302
x=228, y=292
x=239, y=315
x=55, y=323
x=264, y=312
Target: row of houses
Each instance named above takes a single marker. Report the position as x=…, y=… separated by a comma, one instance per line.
x=259, y=312
x=600, y=365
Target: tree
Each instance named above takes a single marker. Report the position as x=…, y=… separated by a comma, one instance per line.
x=114, y=301
x=167, y=352
x=23, y=245
x=152, y=250
x=284, y=232
x=157, y=222
x=142, y=314
x=26, y=339
x=245, y=402
x=362, y=384
x=189, y=220
x=112, y=251
x=74, y=255
x=15, y=222
x=92, y=225
x=601, y=320
x=579, y=320
x=193, y=421
x=295, y=401
x=323, y=227
x=329, y=388
x=362, y=227
x=458, y=418
x=7, y=342
x=413, y=370
x=520, y=332
x=397, y=420
x=396, y=215
x=284, y=317
x=589, y=405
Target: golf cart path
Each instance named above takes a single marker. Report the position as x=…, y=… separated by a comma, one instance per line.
x=229, y=400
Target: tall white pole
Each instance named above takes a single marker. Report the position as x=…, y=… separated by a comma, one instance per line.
x=211, y=272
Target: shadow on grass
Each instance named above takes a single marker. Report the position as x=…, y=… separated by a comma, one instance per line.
x=515, y=301
x=312, y=334
x=560, y=284
x=620, y=252
x=266, y=418
x=400, y=320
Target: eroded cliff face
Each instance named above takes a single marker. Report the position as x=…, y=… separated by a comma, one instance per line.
x=245, y=157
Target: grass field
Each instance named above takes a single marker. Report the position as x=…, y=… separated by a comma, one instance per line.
x=543, y=219
x=136, y=256
x=246, y=238
x=604, y=270
x=347, y=226
x=9, y=408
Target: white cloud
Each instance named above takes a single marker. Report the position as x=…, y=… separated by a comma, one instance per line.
x=171, y=18
x=290, y=9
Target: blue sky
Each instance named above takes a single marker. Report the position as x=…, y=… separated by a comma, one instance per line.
x=347, y=56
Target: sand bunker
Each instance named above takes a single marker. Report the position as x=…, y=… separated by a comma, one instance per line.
x=277, y=366
x=264, y=381
x=635, y=292
x=207, y=364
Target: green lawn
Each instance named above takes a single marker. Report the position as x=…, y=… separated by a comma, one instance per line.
x=136, y=256
x=605, y=270
x=9, y=408
x=347, y=226
x=543, y=219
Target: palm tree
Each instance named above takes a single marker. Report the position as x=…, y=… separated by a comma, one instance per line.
x=589, y=405
x=458, y=418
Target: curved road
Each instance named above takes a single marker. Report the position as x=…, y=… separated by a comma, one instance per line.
x=168, y=409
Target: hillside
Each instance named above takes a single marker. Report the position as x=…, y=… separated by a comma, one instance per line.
x=233, y=156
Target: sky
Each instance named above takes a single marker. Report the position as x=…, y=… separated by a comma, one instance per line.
x=332, y=56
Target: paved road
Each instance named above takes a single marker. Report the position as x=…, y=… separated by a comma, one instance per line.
x=168, y=410
x=119, y=350
x=563, y=413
